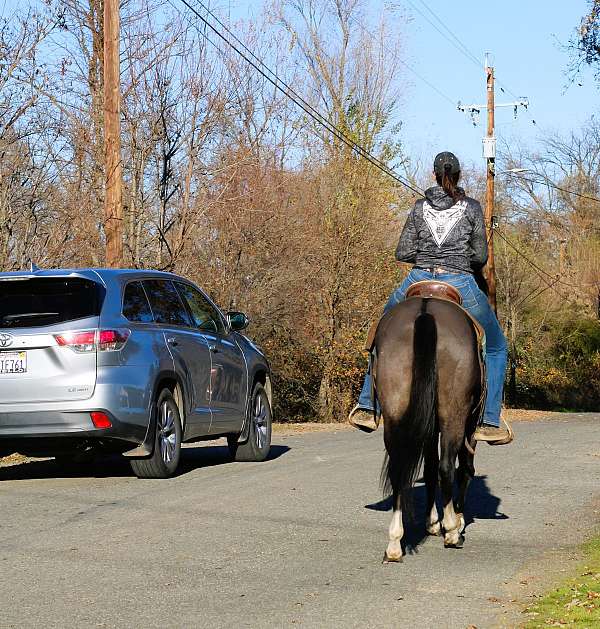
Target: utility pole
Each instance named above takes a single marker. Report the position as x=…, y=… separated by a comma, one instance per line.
x=490, y=156
x=113, y=171
x=489, y=152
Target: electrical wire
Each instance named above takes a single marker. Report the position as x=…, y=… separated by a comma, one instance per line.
x=455, y=41
x=406, y=65
x=545, y=182
x=288, y=91
x=542, y=273
x=323, y=120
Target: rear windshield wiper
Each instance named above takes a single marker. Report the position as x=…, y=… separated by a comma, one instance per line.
x=12, y=318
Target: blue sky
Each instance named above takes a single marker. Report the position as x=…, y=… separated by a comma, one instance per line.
x=525, y=39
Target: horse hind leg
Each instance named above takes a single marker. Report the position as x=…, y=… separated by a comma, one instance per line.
x=465, y=474
x=431, y=471
x=452, y=523
x=393, y=552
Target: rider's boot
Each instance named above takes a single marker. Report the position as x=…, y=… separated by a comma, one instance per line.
x=363, y=419
x=494, y=435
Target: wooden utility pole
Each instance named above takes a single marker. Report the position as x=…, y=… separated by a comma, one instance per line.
x=489, y=195
x=489, y=152
x=113, y=171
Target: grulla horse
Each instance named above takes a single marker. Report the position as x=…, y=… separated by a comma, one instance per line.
x=427, y=379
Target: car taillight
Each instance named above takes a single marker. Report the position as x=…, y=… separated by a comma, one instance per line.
x=112, y=340
x=100, y=420
x=92, y=340
x=78, y=341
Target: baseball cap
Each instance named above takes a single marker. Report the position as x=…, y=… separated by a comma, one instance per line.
x=444, y=162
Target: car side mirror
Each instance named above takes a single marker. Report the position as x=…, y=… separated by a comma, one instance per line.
x=237, y=321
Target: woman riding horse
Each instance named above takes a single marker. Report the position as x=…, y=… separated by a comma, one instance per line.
x=444, y=237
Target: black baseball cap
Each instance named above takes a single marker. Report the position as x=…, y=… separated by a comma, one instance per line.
x=446, y=162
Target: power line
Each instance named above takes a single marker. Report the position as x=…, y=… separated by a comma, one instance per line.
x=458, y=42
x=406, y=65
x=452, y=39
x=469, y=54
x=546, y=182
x=541, y=272
x=283, y=87
x=534, y=294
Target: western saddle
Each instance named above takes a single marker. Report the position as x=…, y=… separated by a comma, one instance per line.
x=436, y=289
x=433, y=289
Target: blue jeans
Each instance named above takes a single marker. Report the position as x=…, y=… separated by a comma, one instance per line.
x=477, y=305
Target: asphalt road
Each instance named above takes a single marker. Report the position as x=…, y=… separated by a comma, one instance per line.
x=297, y=540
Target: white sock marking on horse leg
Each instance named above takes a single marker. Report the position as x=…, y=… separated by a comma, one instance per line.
x=394, y=549
x=433, y=522
x=451, y=525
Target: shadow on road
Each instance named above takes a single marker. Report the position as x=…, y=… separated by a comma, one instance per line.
x=481, y=504
x=110, y=466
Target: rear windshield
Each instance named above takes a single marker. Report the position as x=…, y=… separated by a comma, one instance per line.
x=47, y=301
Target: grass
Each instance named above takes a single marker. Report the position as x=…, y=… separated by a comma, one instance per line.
x=576, y=603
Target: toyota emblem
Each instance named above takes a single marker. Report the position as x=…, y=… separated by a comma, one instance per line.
x=6, y=340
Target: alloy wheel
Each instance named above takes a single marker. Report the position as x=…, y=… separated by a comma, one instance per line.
x=259, y=418
x=167, y=435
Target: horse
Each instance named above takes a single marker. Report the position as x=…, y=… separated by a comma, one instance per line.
x=427, y=379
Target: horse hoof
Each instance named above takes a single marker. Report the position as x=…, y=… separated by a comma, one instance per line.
x=391, y=559
x=434, y=529
x=455, y=543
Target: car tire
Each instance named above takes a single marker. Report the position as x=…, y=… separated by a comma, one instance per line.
x=260, y=418
x=167, y=440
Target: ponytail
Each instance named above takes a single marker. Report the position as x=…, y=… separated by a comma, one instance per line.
x=449, y=182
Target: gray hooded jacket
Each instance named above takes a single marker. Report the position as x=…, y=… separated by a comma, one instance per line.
x=440, y=232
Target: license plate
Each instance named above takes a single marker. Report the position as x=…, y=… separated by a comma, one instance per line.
x=13, y=362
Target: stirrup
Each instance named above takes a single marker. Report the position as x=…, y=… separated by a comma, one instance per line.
x=369, y=424
x=510, y=437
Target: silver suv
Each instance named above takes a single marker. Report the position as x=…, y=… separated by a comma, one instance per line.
x=127, y=361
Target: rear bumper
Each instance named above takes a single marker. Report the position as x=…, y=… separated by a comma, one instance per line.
x=51, y=431
x=123, y=393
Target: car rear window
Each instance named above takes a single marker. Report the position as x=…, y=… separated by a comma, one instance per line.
x=166, y=303
x=49, y=300
x=135, y=304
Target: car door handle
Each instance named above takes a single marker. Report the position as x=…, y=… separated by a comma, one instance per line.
x=173, y=341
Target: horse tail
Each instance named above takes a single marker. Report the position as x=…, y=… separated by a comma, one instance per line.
x=416, y=429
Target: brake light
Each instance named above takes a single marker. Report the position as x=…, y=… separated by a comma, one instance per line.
x=78, y=341
x=92, y=340
x=100, y=420
x=112, y=340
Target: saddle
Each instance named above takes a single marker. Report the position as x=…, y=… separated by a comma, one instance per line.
x=434, y=289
